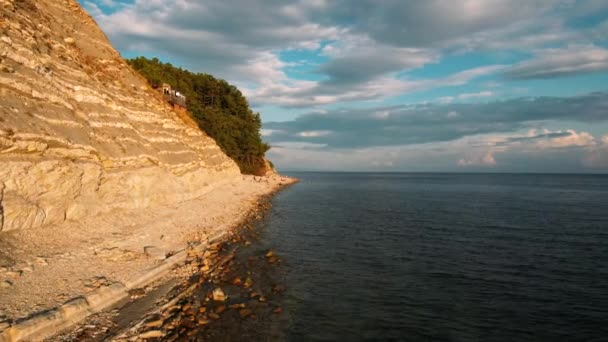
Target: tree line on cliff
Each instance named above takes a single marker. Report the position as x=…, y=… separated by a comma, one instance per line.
x=219, y=108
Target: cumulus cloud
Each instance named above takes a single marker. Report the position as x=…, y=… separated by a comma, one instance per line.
x=203, y=36
x=367, y=51
x=313, y=134
x=368, y=47
x=597, y=157
x=550, y=63
x=415, y=124
x=569, y=138
x=481, y=94
x=309, y=93
x=487, y=159
x=424, y=23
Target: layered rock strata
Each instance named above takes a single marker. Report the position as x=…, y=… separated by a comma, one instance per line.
x=81, y=133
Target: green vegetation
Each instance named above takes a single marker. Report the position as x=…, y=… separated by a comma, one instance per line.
x=219, y=108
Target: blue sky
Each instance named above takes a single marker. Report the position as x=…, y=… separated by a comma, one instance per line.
x=437, y=85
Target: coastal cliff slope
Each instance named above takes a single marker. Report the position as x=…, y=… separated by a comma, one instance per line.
x=81, y=133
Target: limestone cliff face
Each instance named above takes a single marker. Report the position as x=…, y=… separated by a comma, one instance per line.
x=80, y=132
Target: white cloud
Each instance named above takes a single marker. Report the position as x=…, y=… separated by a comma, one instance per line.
x=562, y=61
x=481, y=94
x=574, y=139
x=453, y=114
x=381, y=114
x=268, y=132
x=313, y=134
x=486, y=159
x=316, y=93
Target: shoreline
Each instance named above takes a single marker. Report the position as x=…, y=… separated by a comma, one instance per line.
x=161, y=313
x=48, y=322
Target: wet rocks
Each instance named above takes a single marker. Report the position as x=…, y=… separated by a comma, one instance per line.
x=218, y=295
x=278, y=288
x=244, y=313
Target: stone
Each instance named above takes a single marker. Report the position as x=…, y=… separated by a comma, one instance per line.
x=279, y=288
x=154, y=324
x=27, y=269
x=4, y=325
x=7, y=68
x=218, y=295
x=152, y=334
x=278, y=310
x=154, y=252
x=41, y=261
x=69, y=40
x=220, y=309
x=245, y=313
x=203, y=322
x=13, y=274
x=213, y=315
x=6, y=284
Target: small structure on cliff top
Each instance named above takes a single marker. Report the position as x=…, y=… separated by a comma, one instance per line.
x=175, y=98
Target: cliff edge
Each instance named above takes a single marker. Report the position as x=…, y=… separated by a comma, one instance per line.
x=81, y=133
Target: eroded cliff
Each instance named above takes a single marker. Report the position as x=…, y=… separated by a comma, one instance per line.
x=80, y=132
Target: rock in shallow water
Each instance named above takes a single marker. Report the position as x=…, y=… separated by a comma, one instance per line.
x=218, y=295
x=245, y=313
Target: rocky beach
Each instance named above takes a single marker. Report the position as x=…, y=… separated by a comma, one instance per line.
x=60, y=275
x=233, y=290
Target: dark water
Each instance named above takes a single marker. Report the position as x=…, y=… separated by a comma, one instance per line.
x=444, y=257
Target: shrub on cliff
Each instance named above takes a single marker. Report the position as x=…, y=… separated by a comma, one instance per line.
x=219, y=109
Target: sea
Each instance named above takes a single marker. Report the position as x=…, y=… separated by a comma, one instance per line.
x=443, y=257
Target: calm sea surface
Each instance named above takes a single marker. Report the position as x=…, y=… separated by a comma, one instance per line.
x=444, y=257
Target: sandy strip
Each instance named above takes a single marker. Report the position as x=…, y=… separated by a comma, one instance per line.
x=47, y=267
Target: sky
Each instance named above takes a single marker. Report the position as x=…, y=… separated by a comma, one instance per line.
x=391, y=85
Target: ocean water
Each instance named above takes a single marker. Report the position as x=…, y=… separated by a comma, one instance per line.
x=443, y=257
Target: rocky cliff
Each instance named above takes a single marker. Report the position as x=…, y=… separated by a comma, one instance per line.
x=80, y=132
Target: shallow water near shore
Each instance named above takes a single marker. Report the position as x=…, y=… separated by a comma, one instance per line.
x=448, y=257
